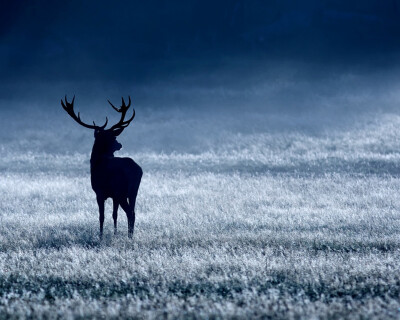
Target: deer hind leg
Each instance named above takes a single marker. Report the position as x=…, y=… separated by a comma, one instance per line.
x=132, y=201
x=100, y=202
x=115, y=214
x=128, y=210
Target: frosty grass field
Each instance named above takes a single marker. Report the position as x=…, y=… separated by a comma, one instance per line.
x=257, y=221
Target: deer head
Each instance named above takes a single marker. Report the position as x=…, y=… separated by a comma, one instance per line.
x=105, y=139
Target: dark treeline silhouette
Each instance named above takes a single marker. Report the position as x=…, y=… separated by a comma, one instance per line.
x=111, y=177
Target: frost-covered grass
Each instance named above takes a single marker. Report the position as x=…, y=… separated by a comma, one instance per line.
x=287, y=224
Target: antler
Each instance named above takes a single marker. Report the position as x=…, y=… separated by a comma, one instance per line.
x=122, y=124
x=69, y=107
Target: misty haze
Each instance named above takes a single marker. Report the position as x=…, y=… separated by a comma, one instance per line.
x=268, y=134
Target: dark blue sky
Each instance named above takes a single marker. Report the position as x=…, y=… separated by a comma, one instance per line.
x=144, y=41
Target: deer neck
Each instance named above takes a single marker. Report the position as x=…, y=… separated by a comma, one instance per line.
x=99, y=156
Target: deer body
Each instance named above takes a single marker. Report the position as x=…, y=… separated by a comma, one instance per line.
x=112, y=177
x=118, y=179
x=115, y=177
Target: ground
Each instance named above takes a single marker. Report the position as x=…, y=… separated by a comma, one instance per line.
x=292, y=224
x=277, y=220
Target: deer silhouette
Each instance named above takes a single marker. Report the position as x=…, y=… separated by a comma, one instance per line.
x=111, y=177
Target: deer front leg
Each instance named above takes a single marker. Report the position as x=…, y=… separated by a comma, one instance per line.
x=100, y=202
x=115, y=214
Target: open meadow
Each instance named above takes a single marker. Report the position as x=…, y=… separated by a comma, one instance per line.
x=274, y=215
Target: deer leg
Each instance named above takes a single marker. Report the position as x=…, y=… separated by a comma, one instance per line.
x=128, y=210
x=132, y=197
x=115, y=214
x=100, y=202
x=132, y=201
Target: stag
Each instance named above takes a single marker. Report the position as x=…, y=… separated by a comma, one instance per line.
x=111, y=177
